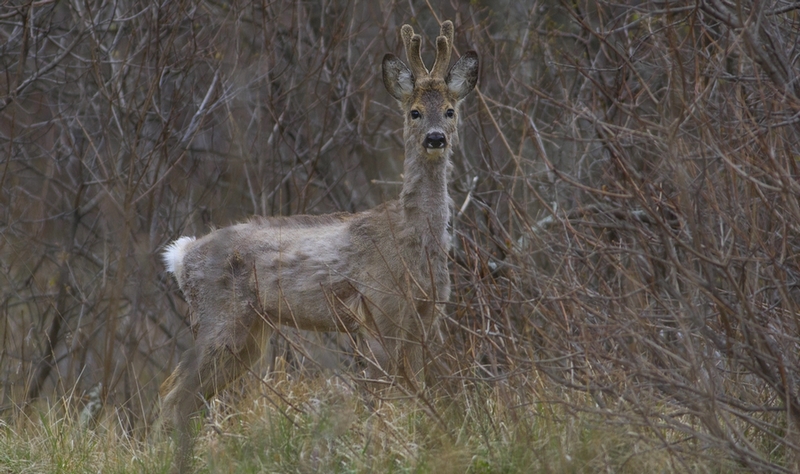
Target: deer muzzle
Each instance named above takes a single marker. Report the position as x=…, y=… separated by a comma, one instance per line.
x=435, y=141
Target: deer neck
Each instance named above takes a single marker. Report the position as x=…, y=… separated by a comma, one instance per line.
x=424, y=198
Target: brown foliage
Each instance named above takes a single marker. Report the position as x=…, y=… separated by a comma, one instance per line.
x=626, y=192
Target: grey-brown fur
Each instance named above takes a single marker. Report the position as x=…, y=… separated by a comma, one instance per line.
x=382, y=272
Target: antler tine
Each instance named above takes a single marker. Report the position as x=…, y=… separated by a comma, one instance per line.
x=412, y=43
x=444, y=44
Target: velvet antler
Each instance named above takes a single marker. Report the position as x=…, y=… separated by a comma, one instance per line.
x=444, y=43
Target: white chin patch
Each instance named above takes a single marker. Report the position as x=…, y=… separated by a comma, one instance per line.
x=434, y=152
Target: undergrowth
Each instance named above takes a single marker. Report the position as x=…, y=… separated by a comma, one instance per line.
x=321, y=424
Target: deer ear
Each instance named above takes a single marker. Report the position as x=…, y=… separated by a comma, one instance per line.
x=463, y=75
x=397, y=77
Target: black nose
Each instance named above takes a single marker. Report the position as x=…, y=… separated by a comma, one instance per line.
x=435, y=140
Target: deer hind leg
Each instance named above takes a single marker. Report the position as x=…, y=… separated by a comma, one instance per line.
x=180, y=400
x=204, y=370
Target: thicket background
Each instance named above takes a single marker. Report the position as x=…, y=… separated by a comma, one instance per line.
x=626, y=217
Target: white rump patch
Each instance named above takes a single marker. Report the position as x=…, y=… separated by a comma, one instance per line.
x=174, y=253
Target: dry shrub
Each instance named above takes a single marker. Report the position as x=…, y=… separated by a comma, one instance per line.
x=625, y=194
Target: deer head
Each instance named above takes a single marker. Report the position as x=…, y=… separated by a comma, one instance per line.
x=430, y=99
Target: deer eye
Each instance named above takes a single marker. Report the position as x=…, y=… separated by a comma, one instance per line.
x=450, y=113
x=415, y=114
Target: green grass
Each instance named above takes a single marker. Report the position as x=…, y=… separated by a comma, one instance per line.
x=318, y=425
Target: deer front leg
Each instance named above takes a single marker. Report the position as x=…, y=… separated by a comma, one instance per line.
x=416, y=346
x=393, y=352
x=379, y=356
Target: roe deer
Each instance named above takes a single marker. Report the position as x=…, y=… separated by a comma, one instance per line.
x=381, y=272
